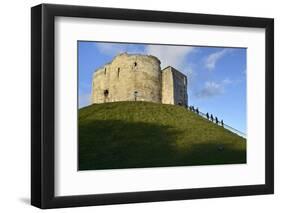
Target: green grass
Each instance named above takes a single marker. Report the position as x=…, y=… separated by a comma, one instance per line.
x=142, y=134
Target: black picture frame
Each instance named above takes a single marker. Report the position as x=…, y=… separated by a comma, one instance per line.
x=43, y=102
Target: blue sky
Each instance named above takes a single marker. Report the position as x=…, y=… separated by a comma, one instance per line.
x=216, y=75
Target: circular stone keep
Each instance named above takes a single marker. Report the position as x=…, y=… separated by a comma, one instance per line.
x=128, y=78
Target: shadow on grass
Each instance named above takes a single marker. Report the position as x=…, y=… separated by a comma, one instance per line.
x=115, y=144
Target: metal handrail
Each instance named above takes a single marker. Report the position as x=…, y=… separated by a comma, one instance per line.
x=226, y=126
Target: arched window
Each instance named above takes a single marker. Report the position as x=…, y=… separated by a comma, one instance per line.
x=135, y=64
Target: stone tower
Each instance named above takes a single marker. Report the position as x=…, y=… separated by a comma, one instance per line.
x=174, y=87
x=133, y=77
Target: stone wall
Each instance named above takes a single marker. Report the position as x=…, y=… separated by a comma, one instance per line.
x=128, y=78
x=179, y=87
x=138, y=78
x=167, y=86
x=174, y=87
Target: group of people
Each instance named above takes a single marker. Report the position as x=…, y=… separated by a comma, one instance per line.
x=192, y=108
x=211, y=117
x=208, y=116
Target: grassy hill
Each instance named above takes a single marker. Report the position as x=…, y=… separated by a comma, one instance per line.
x=142, y=134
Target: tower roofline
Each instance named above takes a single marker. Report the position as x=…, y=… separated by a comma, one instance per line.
x=137, y=55
x=174, y=70
x=127, y=54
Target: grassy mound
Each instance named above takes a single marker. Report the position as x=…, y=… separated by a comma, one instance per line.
x=142, y=134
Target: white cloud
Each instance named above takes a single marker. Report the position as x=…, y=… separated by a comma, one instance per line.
x=110, y=49
x=211, y=89
x=174, y=56
x=113, y=49
x=226, y=81
x=213, y=58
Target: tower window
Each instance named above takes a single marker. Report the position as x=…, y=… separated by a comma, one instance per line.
x=105, y=92
x=118, y=72
x=105, y=71
x=135, y=64
x=136, y=95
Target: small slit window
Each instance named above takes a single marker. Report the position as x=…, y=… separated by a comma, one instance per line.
x=118, y=72
x=136, y=95
x=105, y=92
x=105, y=71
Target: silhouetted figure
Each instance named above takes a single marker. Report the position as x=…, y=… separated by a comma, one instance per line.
x=207, y=115
x=212, y=118
x=197, y=110
x=222, y=123
x=217, y=121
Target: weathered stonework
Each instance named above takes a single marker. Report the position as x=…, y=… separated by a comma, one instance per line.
x=174, y=87
x=138, y=78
